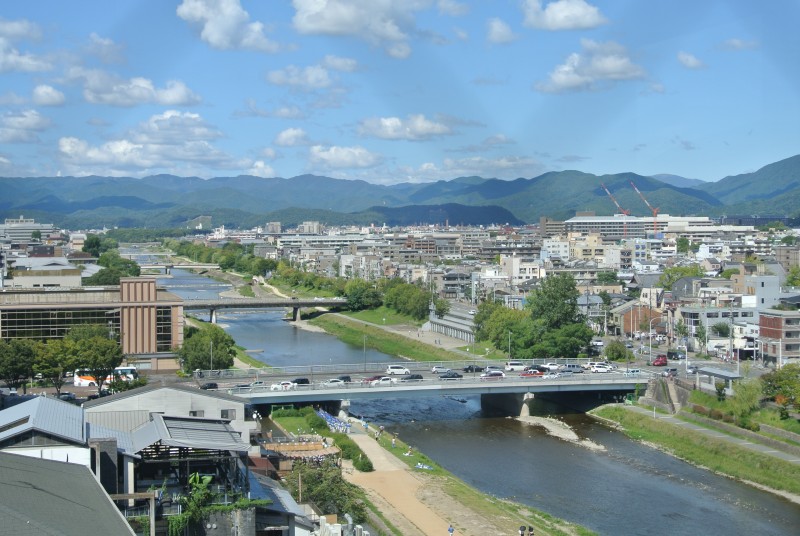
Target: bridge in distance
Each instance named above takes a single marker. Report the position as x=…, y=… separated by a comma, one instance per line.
x=294, y=304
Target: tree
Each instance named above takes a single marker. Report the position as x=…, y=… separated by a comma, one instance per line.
x=565, y=342
x=789, y=240
x=726, y=274
x=36, y=235
x=54, y=359
x=746, y=398
x=721, y=329
x=793, y=277
x=361, y=295
x=208, y=348
x=674, y=273
x=607, y=278
x=681, y=329
x=17, y=358
x=555, y=302
x=682, y=245
x=99, y=356
x=784, y=382
x=616, y=351
x=701, y=335
x=442, y=307
x=325, y=486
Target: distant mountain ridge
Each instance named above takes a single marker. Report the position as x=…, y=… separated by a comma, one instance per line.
x=170, y=201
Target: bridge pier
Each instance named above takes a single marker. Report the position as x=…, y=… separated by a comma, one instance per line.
x=525, y=410
x=295, y=314
x=213, y=315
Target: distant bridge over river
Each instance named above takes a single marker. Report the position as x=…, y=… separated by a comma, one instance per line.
x=213, y=305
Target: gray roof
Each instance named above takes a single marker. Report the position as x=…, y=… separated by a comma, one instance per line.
x=48, y=498
x=186, y=387
x=719, y=373
x=188, y=432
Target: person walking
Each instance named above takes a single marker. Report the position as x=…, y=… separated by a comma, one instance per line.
x=450, y=530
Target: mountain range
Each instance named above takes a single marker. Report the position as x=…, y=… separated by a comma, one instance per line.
x=247, y=201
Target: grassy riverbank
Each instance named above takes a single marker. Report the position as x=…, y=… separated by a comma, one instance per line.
x=716, y=455
x=353, y=332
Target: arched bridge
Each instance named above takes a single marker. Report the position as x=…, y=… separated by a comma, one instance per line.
x=260, y=303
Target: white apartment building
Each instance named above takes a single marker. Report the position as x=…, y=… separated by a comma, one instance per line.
x=520, y=270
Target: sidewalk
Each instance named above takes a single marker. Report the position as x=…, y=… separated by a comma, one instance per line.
x=716, y=434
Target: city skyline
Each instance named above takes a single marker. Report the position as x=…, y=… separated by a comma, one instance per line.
x=392, y=92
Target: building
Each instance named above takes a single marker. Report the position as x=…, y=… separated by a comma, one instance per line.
x=21, y=229
x=148, y=321
x=779, y=334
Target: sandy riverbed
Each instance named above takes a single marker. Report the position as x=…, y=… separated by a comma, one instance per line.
x=560, y=430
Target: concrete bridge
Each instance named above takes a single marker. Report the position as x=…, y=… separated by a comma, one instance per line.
x=260, y=303
x=168, y=266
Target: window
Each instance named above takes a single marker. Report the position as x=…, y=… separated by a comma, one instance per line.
x=229, y=414
x=196, y=413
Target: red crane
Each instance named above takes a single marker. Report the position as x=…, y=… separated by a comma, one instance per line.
x=653, y=210
x=621, y=210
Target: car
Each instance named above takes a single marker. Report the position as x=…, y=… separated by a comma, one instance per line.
x=490, y=368
x=590, y=364
x=553, y=366
x=597, y=342
x=551, y=375
x=438, y=369
x=628, y=344
x=571, y=367
x=660, y=361
x=450, y=375
x=600, y=368
x=371, y=379
x=209, y=386
x=531, y=374
x=473, y=368
x=675, y=355
x=345, y=378
x=473, y=312
x=535, y=368
x=633, y=372
x=383, y=381
x=411, y=378
x=669, y=372
x=301, y=381
x=332, y=382
x=257, y=384
x=493, y=375
x=391, y=370
x=283, y=386
x=66, y=395
x=512, y=366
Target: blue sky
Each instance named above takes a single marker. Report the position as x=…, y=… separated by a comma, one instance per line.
x=389, y=91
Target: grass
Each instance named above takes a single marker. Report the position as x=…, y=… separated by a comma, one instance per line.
x=246, y=291
x=353, y=333
x=384, y=316
x=714, y=454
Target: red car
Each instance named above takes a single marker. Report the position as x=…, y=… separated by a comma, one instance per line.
x=660, y=361
x=532, y=374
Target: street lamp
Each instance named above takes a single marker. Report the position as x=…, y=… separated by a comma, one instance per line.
x=365, y=353
x=211, y=365
x=509, y=344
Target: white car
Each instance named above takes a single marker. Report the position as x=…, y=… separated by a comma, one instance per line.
x=553, y=366
x=439, y=369
x=385, y=381
x=391, y=370
x=333, y=382
x=601, y=368
x=283, y=386
x=514, y=366
x=551, y=376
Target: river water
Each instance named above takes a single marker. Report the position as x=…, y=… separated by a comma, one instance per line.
x=626, y=489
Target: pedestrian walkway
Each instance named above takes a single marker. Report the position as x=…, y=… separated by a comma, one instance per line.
x=717, y=434
x=397, y=486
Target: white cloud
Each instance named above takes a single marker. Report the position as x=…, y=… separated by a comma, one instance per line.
x=452, y=8
x=562, y=15
x=291, y=137
x=12, y=59
x=414, y=127
x=598, y=62
x=45, y=95
x=268, y=153
x=171, y=142
x=503, y=167
x=22, y=126
x=335, y=157
x=689, y=61
x=105, y=49
x=308, y=78
x=385, y=23
x=102, y=87
x=740, y=44
x=337, y=63
x=16, y=30
x=499, y=32
x=225, y=25
x=260, y=169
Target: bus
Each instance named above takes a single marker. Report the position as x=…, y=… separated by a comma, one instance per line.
x=83, y=378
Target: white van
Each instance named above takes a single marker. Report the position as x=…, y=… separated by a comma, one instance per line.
x=512, y=366
x=571, y=367
x=391, y=370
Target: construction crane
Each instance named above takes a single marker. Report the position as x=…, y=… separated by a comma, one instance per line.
x=653, y=210
x=621, y=210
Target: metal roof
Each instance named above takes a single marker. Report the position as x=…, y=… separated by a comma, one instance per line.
x=49, y=498
x=44, y=414
x=188, y=432
x=185, y=387
x=719, y=373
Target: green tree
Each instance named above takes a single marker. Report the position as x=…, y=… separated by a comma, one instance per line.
x=16, y=362
x=607, y=278
x=701, y=335
x=683, y=245
x=361, y=295
x=784, y=382
x=674, y=273
x=55, y=358
x=793, y=277
x=99, y=356
x=789, y=240
x=36, y=235
x=726, y=274
x=442, y=307
x=88, y=331
x=208, y=348
x=325, y=486
x=746, y=398
x=564, y=342
x=555, y=301
x=616, y=351
x=681, y=329
x=721, y=329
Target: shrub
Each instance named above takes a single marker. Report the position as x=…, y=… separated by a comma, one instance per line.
x=316, y=422
x=727, y=418
x=701, y=410
x=720, y=387
x=715, y=414
x=286, y=413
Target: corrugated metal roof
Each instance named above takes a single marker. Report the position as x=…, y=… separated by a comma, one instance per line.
x=44, y=497
x=184, y=387
x=45, y=414
x=198, y=433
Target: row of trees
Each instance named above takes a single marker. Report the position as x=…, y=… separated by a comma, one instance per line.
x=114, y=267
x=231, y=256
x=87, y=347
x=550, y=324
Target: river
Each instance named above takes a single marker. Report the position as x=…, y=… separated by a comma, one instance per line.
x=627, y=488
